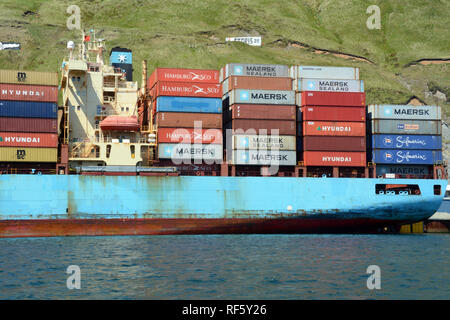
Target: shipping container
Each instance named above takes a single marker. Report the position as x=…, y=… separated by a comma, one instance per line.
x=28, y=109
x=21, y=139
x=125, y=68
x=320, y=128
x=278, y=97
x=179, y=151
x=401, y=112
x=120, y=55
x=345, y=99
x=313, y=143
x=28, y=125
x=186, y=89
x=406, y=156
x=183, y=75
x=254, y=70
x=417, y=170
x=264, y=157
x=406, y=127
x=332, y=113
x=255, y=142
x=260, y=111
x=189, y=120
x=256, y=83
x=188, y=104
x=319, y=72
x=251, y=127
x=189, y=135
x=21, y=92
x=328, y=85
x=24, y=154
x=334, y=159
x=29, y=77
x=414, y=142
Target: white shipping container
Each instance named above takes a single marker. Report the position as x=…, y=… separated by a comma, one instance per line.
x=328, y=85
x=319, y=72
x=255, y=142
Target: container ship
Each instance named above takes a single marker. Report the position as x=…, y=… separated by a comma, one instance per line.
x=249, y=148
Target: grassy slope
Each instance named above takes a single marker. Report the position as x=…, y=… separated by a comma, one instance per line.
x=187, y=33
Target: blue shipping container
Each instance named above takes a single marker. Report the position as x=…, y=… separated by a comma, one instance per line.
x=189, y=104
x=406, y=156
x=410, y=142
x=28, y=109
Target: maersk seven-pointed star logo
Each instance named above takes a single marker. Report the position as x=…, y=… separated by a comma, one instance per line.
x=244, y=142
x=311, y=85
x=238, y=70
x=122, y=58
x=244, y=95
x=168, y=150
x=244, y=156
x=387, y=111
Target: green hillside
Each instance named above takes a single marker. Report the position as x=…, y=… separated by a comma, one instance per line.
x=190, y=34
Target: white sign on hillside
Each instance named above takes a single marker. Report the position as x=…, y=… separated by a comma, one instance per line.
x=251, y=41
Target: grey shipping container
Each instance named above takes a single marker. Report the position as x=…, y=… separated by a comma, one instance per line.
x=419, y=170
x=319, y=72
x=386, y=111
x=432, y=127
x=264, y=157
x=280, y=97
x=253, y=70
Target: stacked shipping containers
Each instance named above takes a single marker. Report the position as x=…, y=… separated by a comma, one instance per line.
x=331, y=116
x=406, y=140
x=188, y=114
x=28, y=117
x=259, y=112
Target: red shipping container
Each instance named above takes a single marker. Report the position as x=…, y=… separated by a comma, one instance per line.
x=285, y=127
x=334, y=113
x=25, y=92
x=28, y=125
x=188, y=135
x=334, y=159
x=256, y=83
x=21, y=139
x=315, y=98
x=183, y=75
x=319, y=128
x=262, y=111
x=313, y=143
x=187, y=120
x=186, y=89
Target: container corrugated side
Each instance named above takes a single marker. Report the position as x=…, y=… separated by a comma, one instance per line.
x=264, y=157
x=388, y=156
x=22, y=139
x=413, y=142
x=256, y=83
x=332, y=158
x=183, y=75
x=25, y=154
x=189, y=104
x=328, y=85
x=18, y=92
x=254, y=70
x=401, y=112
x=28, y=109
x=418, y=170
x=28, y=125
x=251, y=127
x=254, y=142
x=321, y=128
x=259, y=111
x=186, y=89
x=29, y=77
x=178, y=151
x=317, y=98
x=189, y=135
x=188, y=120
x=332, y=113
x=432, y=127
x=278, y=97
x=313, y=143
x=322, y=72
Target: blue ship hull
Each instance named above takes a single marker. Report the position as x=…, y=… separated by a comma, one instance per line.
x=47, y=205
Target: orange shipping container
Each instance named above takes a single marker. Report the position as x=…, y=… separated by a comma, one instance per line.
x=334, y=159
x=256, y=83
x=321, y=128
